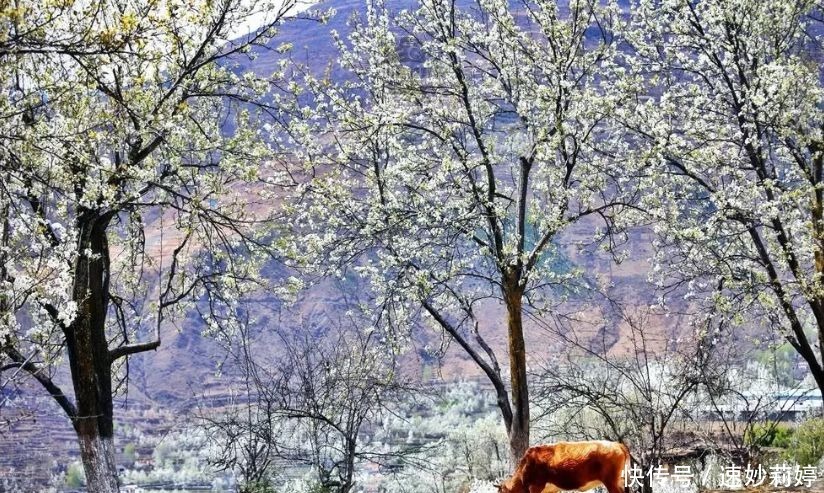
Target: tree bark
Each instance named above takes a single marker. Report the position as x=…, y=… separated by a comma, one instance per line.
x=646, y=481
x=89, y=357
x=519, y=428
x=351, y=451
x=97, y=455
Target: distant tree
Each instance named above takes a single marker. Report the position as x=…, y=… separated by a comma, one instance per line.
x=732, y=130
x=246, y=433
x=129, y=452
x=308, y=407
x=636, y=393
x=123, y=153
x=466, y=139
x=332, y=388
x=74, y=475
x=746, y=408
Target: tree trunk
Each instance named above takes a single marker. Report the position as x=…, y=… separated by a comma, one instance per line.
x=351, y=451
x=97, y=455
x=646, y=481
x=89, y=357
x=818, y=375
x=519, y=428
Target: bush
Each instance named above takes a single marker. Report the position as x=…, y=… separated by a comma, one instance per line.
x=130, y=453
x=769, y=435
x=75, y=478
x=260, y=486
x=806, y=447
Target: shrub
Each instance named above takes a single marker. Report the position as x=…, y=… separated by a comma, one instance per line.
x=806, y=447
x=130, y=453
x=75, y=478
x=769, y=435
x=259, y=486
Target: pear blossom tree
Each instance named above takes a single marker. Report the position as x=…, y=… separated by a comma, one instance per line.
x=467, y=138
x=638, y=393
x=118, y=173
x=732, y=126
x=314, y=406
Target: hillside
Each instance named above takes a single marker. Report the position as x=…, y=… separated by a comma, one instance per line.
x=160, y=376
x=189, y=366
x=186, y=363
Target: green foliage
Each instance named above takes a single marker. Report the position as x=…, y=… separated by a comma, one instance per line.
x=780, y=361
x=319, y=488
x=259, y=486
x=803, y=445
x=129, y=452
x=769, y=435
x=806, y=447
x=74, y=475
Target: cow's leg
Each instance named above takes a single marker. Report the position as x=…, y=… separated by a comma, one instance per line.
x=615, y=486
x=547, y=488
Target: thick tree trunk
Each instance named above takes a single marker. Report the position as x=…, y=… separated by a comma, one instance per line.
x=519, y=428
x=97, y=455
x=94, y=426
x=90, y=360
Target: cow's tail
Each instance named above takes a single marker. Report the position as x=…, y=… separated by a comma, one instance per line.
x=626, y=467
x=628, y=459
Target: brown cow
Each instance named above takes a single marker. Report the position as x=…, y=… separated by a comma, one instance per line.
x=570, y=466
